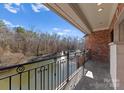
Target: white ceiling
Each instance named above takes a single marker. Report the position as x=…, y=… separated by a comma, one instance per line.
x=85, y=16
x=98, y=20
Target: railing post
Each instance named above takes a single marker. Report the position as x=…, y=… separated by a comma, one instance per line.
x=84, y=53
x=67, y=66
x=55, y=74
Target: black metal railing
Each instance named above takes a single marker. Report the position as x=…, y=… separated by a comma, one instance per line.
x=47, y=73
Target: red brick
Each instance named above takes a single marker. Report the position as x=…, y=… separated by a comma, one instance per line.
x=98, y=43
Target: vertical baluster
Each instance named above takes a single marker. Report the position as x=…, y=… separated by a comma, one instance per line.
x=48, y=75
x=84, y=63
x=41, y=78
x=10, y=83
x=68, y=66
x=60, y=72
x=35, y=78
x=63, y=70
x=20, y=78
x=54, y=73
x=44, y=77
x=72, y=62
x=57, y=73
x=51, y=76
x=29, y=79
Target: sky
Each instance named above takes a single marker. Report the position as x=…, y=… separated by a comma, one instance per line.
x=38, y=17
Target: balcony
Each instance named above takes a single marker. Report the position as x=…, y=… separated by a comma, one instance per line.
x=95, y=69
x=46, y=73
x=71, y=70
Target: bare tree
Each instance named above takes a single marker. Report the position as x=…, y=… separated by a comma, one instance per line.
x=30, y=43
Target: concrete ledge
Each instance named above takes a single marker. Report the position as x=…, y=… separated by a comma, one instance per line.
x=74, y=79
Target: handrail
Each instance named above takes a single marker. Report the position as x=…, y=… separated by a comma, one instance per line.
x=30, y=62
x=59, y=69
x=35, y=61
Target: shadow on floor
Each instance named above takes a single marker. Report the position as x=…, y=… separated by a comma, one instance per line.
x=98, y=78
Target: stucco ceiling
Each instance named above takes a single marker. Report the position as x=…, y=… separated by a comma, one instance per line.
x=85, y=16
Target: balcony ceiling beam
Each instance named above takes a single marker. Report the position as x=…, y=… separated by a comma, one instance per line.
x=73, y=14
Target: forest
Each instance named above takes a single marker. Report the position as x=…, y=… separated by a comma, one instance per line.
x=18, y=44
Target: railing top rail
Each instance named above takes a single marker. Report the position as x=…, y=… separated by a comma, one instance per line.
x=32, y=61
x=39, y=59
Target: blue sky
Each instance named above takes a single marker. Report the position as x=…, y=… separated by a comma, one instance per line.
x=37, y=16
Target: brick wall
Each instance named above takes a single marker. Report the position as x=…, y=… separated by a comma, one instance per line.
x=98, y=43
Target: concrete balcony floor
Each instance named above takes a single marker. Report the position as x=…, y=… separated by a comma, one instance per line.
x=97, y=77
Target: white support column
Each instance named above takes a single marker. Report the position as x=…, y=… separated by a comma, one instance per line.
x=117, y=54
x=113, y=63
